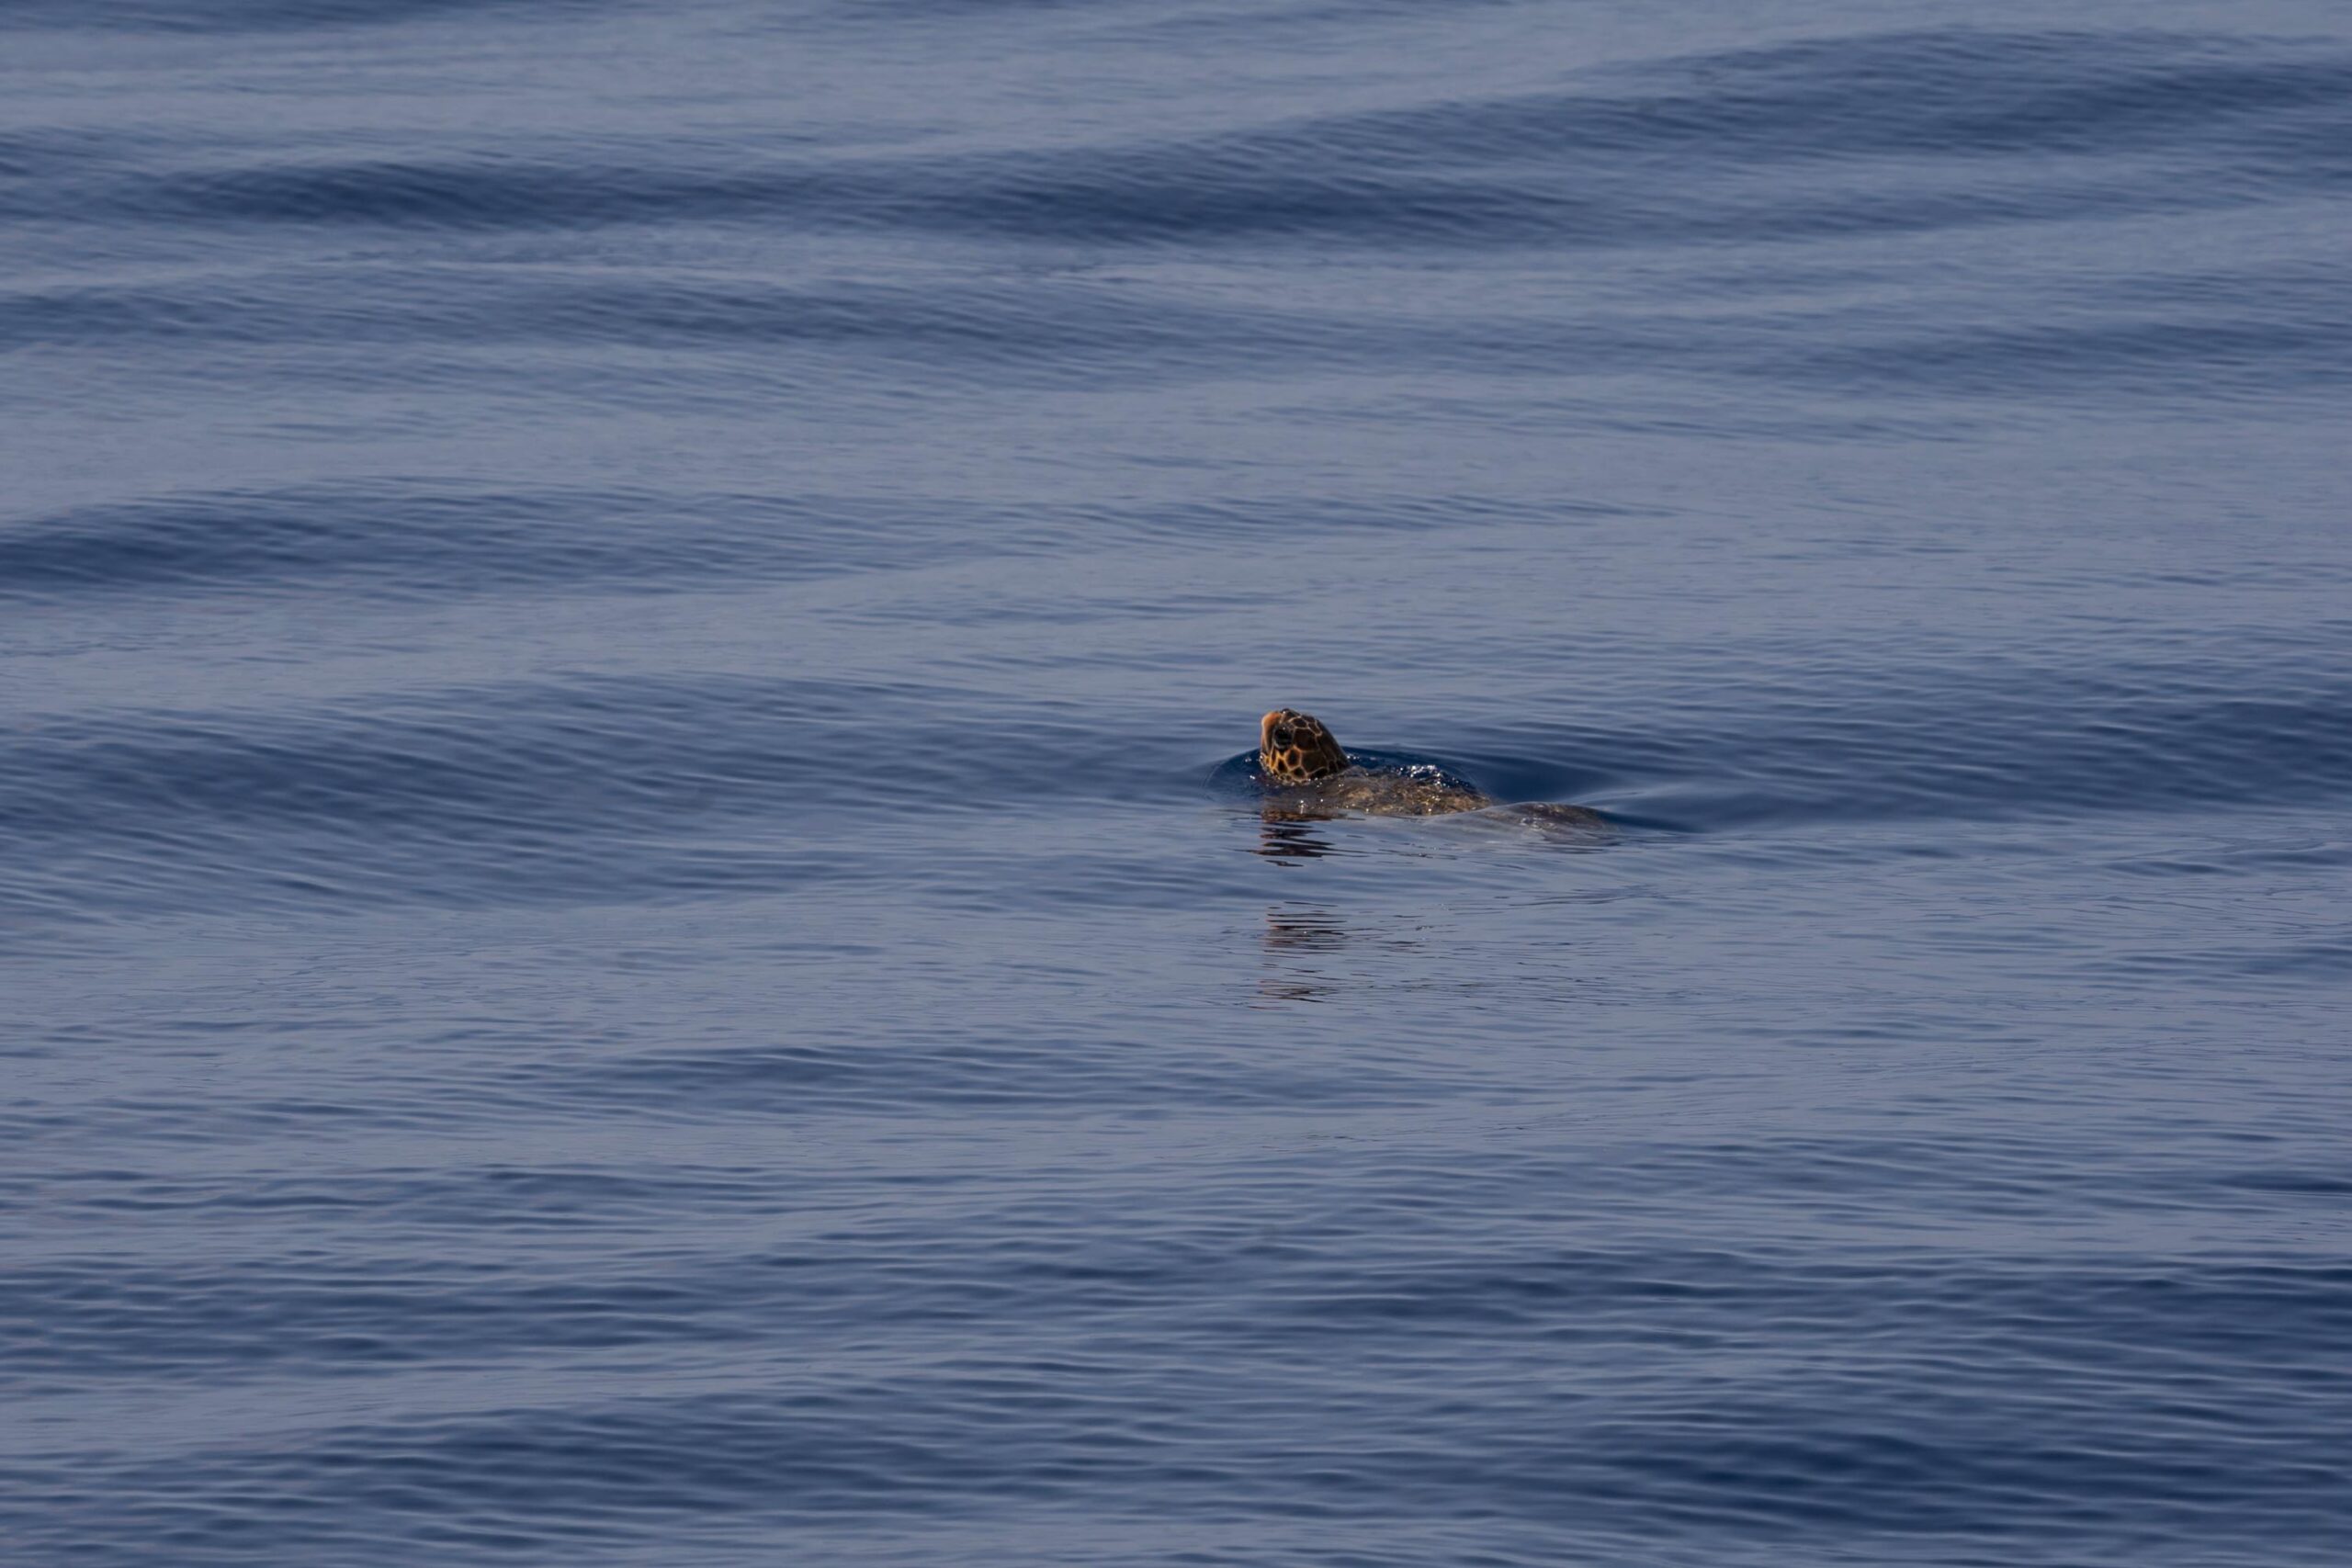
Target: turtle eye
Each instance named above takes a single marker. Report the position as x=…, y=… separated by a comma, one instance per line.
x=1281, y=735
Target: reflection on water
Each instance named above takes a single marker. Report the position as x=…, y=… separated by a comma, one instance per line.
x=1287, y=825
x=1295, y=935
x=1295, y=928
x=1289, y=840
x=1308, y=953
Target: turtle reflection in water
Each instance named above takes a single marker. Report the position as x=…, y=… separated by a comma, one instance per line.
x=1307, y=777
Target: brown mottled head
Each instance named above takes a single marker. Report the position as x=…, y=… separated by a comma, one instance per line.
x=1294, y=749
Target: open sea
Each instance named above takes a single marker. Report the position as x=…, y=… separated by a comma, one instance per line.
x=631, y=930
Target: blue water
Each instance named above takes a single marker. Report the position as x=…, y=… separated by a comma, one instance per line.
x=626, y=933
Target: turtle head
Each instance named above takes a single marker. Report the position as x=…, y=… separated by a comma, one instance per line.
x=1294, y=748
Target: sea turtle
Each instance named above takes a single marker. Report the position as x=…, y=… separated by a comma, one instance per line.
x=1307, y=775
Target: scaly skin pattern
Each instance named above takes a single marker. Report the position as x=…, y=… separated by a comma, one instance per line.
x=1359, y=793
x=1310, y=778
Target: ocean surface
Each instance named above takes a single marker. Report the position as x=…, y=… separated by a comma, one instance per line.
x=632, y=931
